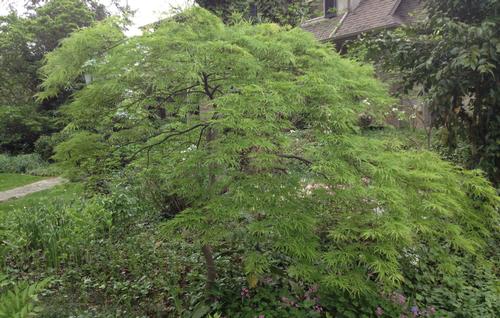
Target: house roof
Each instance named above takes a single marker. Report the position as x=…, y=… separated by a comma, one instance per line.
x=369, y=15
x=322, y=28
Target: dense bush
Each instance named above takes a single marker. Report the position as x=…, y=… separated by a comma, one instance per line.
x=45, y=145
x=20, y=127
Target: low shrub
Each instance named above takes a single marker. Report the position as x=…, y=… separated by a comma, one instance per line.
x=20, y=127
x=44, y=146
x=29, y=163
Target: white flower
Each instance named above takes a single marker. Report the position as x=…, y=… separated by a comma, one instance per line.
x=378, y=210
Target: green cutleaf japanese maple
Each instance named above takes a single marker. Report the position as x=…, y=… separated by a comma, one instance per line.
x=252, y=130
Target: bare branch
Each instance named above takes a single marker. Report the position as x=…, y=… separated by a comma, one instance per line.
x=303, y=160
x=306, y=161
x=166, y=138
x=201, y=136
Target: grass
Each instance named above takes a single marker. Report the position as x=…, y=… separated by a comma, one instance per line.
x=14, y=180
x=65, y=192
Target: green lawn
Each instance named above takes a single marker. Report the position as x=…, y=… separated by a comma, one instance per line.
x=12, y=180
x=64, y=192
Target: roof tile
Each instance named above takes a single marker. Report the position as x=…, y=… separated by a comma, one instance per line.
x=369, y=15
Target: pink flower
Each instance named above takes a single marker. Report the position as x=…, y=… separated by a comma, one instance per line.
x=379, y=312
x=245, y=293
x=401, y=299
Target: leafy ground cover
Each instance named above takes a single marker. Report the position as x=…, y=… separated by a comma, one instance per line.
x=11, y=180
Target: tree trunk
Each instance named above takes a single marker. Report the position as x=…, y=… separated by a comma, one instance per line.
x=211, y=269
x=206, y=113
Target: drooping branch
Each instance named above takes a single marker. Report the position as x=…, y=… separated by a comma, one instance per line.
x=306, y=161
x=303, y=160
x=166, y=138
x=201, y=136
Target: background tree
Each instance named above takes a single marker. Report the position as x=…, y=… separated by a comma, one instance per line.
x=290, y=12
x=24, y=41
x=454, y=57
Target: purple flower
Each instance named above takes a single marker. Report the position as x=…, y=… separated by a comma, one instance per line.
x=318, y=308
x=415, y=311
x=262, y=316
x=398, y=298
x=379, y=312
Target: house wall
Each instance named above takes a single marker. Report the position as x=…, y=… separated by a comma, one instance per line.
x=342, y=6
x=355, y=4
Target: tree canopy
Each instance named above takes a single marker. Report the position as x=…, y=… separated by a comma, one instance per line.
x=453, y=55
x=251, y=132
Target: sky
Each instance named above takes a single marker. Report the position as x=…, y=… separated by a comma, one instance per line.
x=148, y=11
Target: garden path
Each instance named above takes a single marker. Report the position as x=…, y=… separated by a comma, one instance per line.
x=31, y=188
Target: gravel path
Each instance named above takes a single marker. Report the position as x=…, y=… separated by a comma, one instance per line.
x=30, y=188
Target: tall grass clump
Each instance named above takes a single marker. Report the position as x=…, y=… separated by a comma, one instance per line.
x=53, y=233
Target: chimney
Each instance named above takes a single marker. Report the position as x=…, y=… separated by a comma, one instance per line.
x=330, y=8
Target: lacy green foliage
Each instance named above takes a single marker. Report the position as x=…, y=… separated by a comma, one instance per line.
x=251, y=131
x=454, y=57
x=19, y=300
x=75, y=57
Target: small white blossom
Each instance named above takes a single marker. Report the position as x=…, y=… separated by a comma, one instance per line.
x=378, y=210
